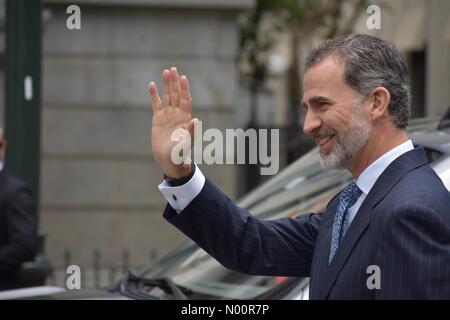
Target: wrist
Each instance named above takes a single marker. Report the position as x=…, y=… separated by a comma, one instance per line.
x=179, y=172
x=175, y=182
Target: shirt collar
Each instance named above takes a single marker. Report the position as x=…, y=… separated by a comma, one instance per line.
x=370, y=175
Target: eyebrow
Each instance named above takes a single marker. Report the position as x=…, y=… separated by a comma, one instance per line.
x=316, y=100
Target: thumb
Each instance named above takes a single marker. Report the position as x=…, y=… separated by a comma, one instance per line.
x=191, y=125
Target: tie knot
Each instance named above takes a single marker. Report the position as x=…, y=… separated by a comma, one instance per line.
x=350, y=194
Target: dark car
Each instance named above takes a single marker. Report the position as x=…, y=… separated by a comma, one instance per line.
x=188, y=272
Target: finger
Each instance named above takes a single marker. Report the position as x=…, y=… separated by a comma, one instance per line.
x=166, y=87
x=156, y=100
x=185, y=99
x=174, y=87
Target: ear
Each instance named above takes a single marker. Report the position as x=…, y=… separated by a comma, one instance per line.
x=381, y=99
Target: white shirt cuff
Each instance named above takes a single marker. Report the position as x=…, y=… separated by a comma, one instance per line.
x=179, y=197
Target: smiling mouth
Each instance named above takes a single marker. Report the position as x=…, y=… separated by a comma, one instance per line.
x=324, y=140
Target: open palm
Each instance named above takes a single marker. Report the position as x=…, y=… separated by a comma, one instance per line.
x=169, y=114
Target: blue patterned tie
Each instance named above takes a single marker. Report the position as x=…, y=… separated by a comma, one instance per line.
x=347, y=199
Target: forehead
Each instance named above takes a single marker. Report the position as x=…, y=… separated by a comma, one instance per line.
x=326, y=79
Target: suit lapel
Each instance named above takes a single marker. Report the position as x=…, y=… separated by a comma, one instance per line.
x=397, y=169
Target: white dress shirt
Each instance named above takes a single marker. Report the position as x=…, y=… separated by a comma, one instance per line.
x=370, y=175
x=179, y=197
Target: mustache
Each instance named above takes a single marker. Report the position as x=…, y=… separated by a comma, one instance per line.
x=324, y=133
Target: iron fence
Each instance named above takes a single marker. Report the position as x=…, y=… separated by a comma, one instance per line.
x=100, y=273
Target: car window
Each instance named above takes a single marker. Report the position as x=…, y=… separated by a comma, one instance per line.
x=301, y=182
x=433, y=155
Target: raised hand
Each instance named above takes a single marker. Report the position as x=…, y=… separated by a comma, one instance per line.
x=169, y=114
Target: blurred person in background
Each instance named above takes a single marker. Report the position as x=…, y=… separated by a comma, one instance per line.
x=18, y=224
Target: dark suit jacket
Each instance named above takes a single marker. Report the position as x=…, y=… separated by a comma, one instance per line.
x=18, y=229
x=403, y=227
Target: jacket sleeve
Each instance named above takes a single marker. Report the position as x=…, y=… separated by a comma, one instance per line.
x=244, y=243
x=414, y=251
x=21, y=226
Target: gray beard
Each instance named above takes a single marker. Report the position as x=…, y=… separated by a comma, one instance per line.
x=349, y=143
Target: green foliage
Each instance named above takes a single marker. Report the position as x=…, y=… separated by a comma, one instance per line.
x=261, y=27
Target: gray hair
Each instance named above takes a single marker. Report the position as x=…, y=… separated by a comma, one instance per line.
x=371, y=62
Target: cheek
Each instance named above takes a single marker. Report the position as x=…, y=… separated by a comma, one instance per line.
x=337, y=120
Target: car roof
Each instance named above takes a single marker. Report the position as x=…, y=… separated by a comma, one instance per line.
x=424, y=132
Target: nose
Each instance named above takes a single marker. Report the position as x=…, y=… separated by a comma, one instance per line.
x=312, y=122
